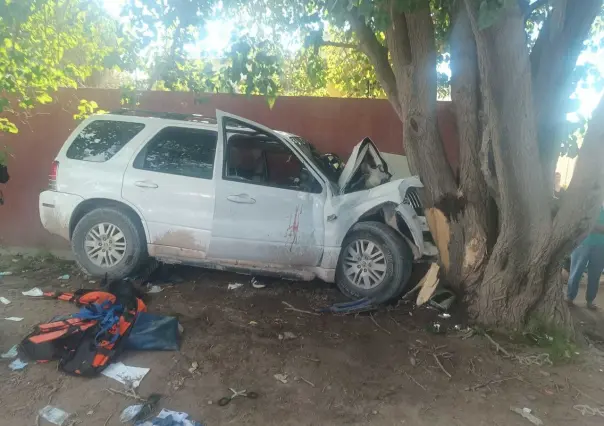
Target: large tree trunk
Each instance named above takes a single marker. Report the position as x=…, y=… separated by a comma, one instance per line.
x=500, y=244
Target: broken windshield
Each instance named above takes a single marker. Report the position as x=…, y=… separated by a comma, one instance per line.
x=324, y=162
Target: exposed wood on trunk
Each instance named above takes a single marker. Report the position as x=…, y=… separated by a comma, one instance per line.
x=439, y=227
x=428, y=285
x=553, y=60
x=518, y=272
x=465, y=96
x=423, y=144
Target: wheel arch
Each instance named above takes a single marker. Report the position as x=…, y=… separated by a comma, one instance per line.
x=387, y=213
x=91, y=204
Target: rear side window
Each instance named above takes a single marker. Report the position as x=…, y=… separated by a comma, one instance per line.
x=102, y=139
x=180, y=151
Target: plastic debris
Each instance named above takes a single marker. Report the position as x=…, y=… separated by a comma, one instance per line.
x=54, y=415
x=154, y=289
x=5, y=274
x=356, y=306
x=287, y=335
x=281, y=377
x=234, y=286
x=129, y=376
x=64, y=277
x=5, y=300
x=17, y=365
x=257, y=284
x=130, y=413
x=169, y=418
x=11, y=353
x=16, y=319
x=444, y=315
x=527, y=414
x=34, y=292
x=194, y=366
x=442, y=299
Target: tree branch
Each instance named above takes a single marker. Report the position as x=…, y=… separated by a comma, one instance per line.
x=399, y=46
x=582, y=200
x=553, y=61
x=378, y=55
x=339, y=44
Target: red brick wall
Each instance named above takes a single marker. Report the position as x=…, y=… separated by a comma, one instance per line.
x=332, y=124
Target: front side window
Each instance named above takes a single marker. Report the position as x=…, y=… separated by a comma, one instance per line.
x=260, y=160
x=102, y=139
x=180, y=151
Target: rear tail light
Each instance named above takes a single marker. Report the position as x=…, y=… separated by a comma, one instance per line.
x=52, y=177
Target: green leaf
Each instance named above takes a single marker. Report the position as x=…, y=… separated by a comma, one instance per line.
x=271, y=101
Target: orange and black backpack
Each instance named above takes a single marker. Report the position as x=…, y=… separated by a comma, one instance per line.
x=87, y=341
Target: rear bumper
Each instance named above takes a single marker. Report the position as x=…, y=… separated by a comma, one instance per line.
x=56, y=209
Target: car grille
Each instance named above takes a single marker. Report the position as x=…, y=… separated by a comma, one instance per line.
x=412, y=198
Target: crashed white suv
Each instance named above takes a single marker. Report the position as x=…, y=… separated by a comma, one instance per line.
x=231, y=194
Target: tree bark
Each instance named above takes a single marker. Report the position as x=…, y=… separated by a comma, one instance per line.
x=465, y=93
x=508, y=268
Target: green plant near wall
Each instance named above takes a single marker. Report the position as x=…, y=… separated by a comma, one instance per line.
x=49, y=44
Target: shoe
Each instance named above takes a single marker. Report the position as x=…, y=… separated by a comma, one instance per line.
x=591, y=306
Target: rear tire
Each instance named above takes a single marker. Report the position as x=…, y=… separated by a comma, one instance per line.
x=361, y=272
x=123, y=241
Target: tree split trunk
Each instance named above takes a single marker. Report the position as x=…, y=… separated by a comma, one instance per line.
x=503, y=246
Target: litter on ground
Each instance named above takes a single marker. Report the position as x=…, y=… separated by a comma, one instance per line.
x=11, y=353
x=34, y=292
x=17, y=365
x=130, y=413
x=125, y=374
x=54, y=415
x=169, y=418
x=287, y=335
x=16, y=319
x=257, y=284
x=234, y=286
x=4, y=300
x=281, y=377
x=527, y=414
x=5, y=274
x=64, y=277
x=155, y=289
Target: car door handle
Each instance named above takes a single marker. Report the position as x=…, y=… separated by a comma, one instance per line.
x=145, y=184
x=241, y=199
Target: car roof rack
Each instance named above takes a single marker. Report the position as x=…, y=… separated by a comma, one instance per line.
x=164, y=115
x=198, y=118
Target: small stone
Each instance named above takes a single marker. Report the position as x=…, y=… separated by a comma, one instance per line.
x=412, y=361
x=210, y=402
x=531, y=397
x=544, y=373
x=374, y=412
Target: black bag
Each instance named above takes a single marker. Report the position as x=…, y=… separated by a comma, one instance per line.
x=154, y=333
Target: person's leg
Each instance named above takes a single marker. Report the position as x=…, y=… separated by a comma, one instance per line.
x=578, y=262
x=594, y=272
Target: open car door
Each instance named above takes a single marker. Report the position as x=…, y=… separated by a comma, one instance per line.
x=365, y=169
x=269, y=204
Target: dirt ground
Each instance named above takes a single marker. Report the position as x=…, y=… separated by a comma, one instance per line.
x=342, y=370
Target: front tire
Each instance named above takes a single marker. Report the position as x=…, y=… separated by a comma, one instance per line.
x=375, y=262
x=106, y=241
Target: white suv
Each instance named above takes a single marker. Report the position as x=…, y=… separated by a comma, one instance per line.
x=231, y=194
